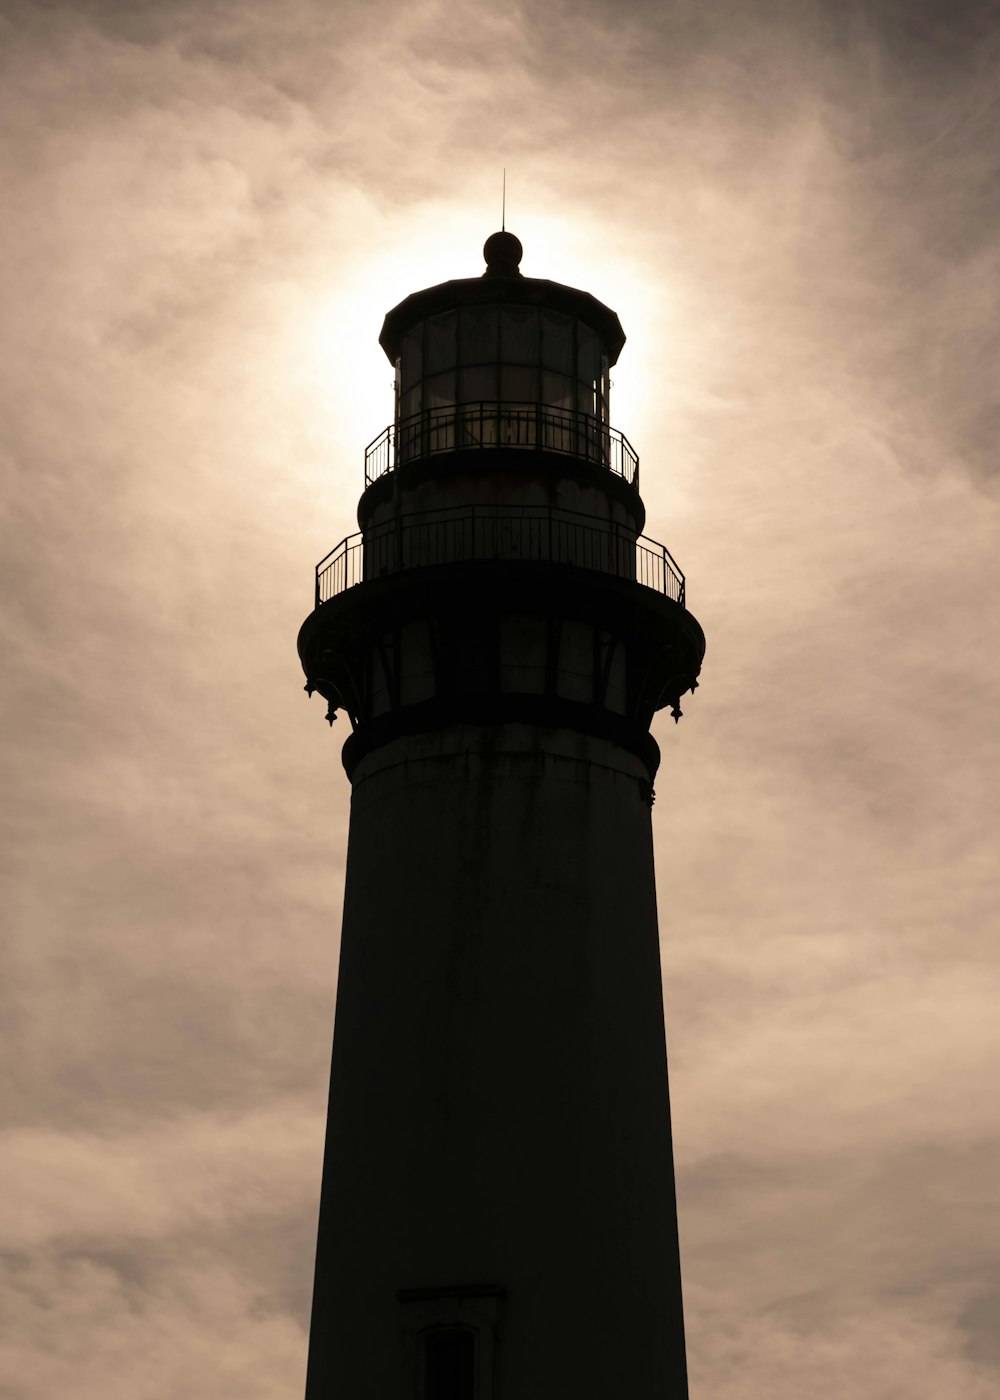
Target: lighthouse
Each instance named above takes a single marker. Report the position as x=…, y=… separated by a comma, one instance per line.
x=497, y=1215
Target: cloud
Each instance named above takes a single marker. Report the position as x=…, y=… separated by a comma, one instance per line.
x=189, y=1175
x=146, y=1246
x=196, y=1328
x=873, y=1352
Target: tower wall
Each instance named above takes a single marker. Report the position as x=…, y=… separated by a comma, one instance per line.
x=499, y=1112
x=538, y=483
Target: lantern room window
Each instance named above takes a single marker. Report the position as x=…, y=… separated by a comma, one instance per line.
x=502, y=353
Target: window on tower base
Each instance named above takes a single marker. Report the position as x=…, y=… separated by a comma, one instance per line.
x=449, y=1364
x=450, y=1339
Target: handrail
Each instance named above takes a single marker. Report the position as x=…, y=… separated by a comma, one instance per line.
x=528, y=534
x=537, y=426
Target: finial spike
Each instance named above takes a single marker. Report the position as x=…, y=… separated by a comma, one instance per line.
x=503, y=203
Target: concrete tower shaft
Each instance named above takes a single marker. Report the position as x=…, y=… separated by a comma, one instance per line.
x=497, y=1215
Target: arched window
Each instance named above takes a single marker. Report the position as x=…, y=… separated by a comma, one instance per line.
x=449, y=1341
x=449, y=1364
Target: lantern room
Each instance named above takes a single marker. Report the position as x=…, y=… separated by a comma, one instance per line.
x=502, y=339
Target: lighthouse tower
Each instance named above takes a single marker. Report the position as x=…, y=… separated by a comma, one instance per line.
x=497, y=1219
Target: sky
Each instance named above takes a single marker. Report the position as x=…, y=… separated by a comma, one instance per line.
x=209, y=206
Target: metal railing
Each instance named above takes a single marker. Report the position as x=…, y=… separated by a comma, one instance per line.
x=520, y=425
x=529, y=534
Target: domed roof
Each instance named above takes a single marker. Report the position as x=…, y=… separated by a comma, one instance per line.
x=502, y=282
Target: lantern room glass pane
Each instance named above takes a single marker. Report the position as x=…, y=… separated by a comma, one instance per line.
x=410, y=402
x=588, y=354
x=557, y=342
x=557, y=390
x=519, y=335
x=440, y=343
x=479, y=335
x=479, y=384
x=411, y=357
x=439, y=390
x=518, y=384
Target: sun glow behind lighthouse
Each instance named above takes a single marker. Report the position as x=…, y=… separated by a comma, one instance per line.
x=349, y=372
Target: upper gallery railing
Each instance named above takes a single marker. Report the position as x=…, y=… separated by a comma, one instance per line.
x=525, y=425
x=528, y=534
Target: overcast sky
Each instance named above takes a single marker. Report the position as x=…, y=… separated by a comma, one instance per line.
x=208, y=208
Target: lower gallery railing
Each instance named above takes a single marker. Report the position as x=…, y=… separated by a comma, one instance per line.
x=531, y=534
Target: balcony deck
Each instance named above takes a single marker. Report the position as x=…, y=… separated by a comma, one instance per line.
x=533, y=535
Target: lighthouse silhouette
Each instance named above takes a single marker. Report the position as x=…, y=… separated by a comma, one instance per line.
x=498, y=1217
